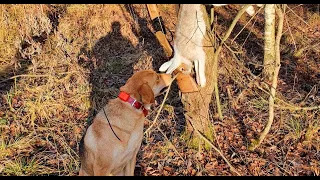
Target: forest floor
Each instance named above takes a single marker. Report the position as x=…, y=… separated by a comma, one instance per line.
x=60, y=64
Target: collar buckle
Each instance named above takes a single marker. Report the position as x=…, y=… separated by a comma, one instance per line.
x=126, y=97
x=132, y=104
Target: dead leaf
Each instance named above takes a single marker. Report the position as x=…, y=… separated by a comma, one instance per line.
x=211, y=166
x=166, y=173
x=170, y=154
x=167, y=168
x=193, y=172
x=160, y=167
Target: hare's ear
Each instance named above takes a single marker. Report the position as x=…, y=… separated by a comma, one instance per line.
x=146, y=94
x=165, y=66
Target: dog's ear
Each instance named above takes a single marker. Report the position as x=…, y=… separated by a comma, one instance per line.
x=131, y=88
x=146, y=94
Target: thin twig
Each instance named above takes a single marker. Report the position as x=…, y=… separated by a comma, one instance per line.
x=216, y=55
x=267, y=128
x=164, y=99
x=297, y=108
x=294, y=42
x=35, y=75
x=215, y=148
x=288, y=105
x=307, y=96
x=298, y=16
x=246, y=25
x=174, y=148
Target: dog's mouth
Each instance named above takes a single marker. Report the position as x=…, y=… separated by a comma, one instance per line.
x=159, y=90
x=162, y=91
x=167, y=78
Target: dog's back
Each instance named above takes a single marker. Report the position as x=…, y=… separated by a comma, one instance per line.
x=111, y=143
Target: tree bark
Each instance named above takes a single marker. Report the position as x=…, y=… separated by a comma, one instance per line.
x=255, y=143
x=269, y=41
x=196, y=104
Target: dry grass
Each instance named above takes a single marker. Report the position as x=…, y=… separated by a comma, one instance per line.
x=44, y=113
x=51, y=88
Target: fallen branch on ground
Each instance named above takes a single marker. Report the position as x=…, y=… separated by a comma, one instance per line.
x=174, y=148
x=215, y=148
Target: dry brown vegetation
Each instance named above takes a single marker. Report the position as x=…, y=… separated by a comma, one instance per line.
x=59, y=64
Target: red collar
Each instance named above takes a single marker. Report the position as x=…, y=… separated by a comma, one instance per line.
x=127, y=98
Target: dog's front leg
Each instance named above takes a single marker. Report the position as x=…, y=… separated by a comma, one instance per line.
x=129, y=169
x=82, y=172
x=121, y=173
x=101, y=171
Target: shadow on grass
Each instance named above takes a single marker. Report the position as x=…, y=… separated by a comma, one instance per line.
x=113, y=60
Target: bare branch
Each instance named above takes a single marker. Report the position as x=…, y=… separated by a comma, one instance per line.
x=266, y=130
x=216, y=55
x=215, y=148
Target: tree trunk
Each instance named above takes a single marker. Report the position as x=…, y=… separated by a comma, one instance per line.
x=196, y=104
x=255, y=143
x=269, y=41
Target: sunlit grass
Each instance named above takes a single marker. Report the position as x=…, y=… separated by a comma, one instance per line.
x=46, y=108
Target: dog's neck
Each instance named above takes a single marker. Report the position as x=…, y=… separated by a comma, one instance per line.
x=133, y=102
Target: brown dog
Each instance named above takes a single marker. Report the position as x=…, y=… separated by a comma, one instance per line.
x=112, y=141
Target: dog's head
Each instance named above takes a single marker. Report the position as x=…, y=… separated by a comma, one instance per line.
x=145, y=85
